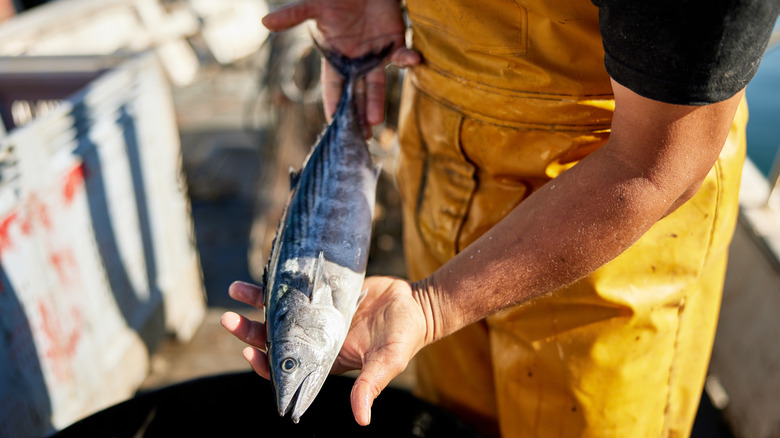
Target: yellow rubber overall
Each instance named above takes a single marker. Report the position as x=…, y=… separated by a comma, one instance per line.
x=509, y=96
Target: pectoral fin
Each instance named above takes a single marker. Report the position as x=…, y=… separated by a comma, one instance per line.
x=321, y=295
x=360, y=298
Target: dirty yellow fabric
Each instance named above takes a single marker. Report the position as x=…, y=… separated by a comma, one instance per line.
x=507, y=98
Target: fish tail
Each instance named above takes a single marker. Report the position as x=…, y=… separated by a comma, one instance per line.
x=352, y=69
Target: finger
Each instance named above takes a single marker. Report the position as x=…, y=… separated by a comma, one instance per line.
x=258, y=361
x=291, y=15
x=251, y=332
x=332, y=87
x=374, y=378
x=375, y=96
x=247, y=293
x=405, y=57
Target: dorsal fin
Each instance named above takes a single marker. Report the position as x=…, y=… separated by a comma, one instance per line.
x=320, y=291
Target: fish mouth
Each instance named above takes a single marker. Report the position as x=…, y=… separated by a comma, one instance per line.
x=285, y=407
x=306, y=393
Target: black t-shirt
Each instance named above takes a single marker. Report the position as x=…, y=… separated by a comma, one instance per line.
x=690, y=52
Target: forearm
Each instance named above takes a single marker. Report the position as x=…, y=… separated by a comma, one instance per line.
x=562, y=232
x=579, y=221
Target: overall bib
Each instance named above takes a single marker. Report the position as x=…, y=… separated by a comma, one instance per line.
x=509, y=95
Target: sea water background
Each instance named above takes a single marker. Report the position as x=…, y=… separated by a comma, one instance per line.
x=763, y=96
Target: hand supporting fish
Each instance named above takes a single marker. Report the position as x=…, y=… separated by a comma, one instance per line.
x=315, y=275
x=318, y=260
x=388, y=329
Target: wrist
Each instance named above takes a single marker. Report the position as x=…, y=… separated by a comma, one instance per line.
x=429, y=297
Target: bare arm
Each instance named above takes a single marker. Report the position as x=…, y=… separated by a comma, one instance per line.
x=656, y=158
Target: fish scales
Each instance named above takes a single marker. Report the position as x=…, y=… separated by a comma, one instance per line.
x=318, y=261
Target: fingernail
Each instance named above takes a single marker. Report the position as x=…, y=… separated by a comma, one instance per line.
x=374, y=117
x=367, y=408
x=237, y=291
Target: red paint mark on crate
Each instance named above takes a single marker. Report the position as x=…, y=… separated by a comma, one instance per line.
x=74, y=180
x=42, y=214
x=5, y=231
x=25, y=227
x=62, y=345
x=5, y=238
x=64, y=262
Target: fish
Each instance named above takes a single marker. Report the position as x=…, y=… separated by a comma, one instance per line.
x=314, y=277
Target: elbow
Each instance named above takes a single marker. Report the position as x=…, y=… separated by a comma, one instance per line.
x=685, y=196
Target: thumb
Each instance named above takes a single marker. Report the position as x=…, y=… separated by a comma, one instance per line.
x=291, y=15
x=404, y=57
x=374, y=378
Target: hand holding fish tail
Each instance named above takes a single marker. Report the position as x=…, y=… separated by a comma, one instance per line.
x=353, y=28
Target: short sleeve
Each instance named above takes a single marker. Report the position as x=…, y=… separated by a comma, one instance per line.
x=689, y=52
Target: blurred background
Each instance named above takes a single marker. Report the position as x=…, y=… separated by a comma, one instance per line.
x=144, y=156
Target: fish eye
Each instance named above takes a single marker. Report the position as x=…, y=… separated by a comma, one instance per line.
x=289, y=364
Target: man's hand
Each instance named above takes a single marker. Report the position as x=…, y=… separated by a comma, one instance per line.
x=388, y=329
x=353, y=28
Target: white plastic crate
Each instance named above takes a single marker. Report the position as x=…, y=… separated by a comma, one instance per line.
x=104, y=27
x=97, y=254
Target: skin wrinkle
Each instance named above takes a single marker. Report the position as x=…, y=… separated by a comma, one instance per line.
x=423, y=298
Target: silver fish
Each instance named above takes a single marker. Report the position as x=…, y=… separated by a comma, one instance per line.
x=315, y=274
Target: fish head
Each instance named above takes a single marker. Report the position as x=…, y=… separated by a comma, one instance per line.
x=303, y=346
x=298, y=373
